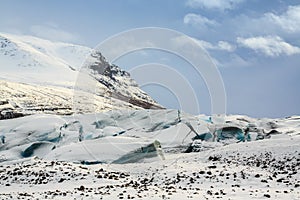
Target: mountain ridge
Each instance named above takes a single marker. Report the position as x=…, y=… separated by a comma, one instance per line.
x=61, y=67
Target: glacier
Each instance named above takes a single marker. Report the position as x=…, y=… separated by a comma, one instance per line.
x=136, y=153
x=106, y=137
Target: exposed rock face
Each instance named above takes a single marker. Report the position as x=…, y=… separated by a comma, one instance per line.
x=119, y=82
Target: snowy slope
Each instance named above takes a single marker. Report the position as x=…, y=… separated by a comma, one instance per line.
x=18, y=99
x=32, y=60
x=106, y=156
x=61, y=66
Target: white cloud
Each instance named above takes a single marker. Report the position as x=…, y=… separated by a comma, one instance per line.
x=288, y=21
x=270, y=45
x=222, y=45
x=231, y=59
x=214, y=4
x=53, y=32
x=198, y=20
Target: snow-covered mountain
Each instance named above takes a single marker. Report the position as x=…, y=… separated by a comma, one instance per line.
x=38, y=75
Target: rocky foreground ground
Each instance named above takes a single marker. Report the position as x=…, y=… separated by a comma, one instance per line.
x=253, y=170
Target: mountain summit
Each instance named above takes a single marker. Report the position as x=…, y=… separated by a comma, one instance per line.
x=41, y=76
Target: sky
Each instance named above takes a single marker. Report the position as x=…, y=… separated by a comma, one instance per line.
x=255, y=44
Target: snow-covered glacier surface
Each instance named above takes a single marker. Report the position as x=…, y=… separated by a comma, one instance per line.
x=149, y=154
